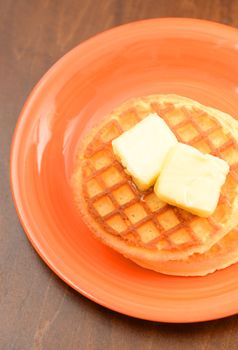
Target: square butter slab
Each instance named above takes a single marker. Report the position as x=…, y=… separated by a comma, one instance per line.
x=191, y=180
x=143, y=148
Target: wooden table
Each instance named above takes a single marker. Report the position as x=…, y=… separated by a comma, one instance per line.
x=37, y=310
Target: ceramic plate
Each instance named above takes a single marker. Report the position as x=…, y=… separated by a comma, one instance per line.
x=194, y=58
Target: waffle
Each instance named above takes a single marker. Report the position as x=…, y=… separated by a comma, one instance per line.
x=222, y=254
x=138, y=224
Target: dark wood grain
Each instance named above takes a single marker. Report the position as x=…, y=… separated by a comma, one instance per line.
x=37, y=310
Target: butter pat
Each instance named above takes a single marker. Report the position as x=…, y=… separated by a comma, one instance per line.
x=191, y=180
x=143, y=148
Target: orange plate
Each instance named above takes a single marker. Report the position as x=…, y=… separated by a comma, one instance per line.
x=194, y=58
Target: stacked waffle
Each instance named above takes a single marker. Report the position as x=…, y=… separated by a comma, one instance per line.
x=137, y=224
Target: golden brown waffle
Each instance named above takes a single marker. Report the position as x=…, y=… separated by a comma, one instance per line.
x=222, y=254
x=138, y=224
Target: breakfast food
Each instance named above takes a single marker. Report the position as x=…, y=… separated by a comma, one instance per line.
x=191, y=180
x=137, y=223
x=143, y=148
x=223, y=254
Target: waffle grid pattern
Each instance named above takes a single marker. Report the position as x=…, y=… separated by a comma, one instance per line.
x=141, y=218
